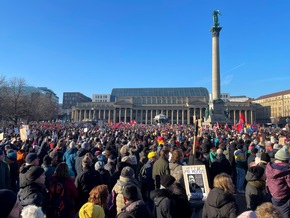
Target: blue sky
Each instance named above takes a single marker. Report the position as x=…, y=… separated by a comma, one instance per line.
x=92, y=46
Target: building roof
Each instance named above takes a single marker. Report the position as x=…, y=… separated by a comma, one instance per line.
x=182, y=92
x=286, y=92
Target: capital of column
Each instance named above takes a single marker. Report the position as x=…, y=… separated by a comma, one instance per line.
x=216, y=30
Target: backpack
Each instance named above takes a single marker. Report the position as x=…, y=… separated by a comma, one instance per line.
x=112, y=205
x=57, y=201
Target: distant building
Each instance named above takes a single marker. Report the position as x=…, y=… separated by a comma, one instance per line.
x=101, y=98
x=179, y=105
x=273, y=108
x=226, y=97
x=73, y=98
x=35, y=91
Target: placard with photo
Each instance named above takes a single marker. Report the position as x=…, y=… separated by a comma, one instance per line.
x=196, y=182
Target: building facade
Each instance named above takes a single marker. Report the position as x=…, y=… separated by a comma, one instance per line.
x=273, y=108
x=101, y=97
x=179, y=105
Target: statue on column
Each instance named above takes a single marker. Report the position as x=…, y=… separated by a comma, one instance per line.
x=215, y=14
x=211, y=112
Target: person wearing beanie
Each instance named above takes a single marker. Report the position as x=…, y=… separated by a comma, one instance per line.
x=86, y=180
x=127, y=177
x=135, y=207
x=4, y=172
x=145, y=176
x=256, y=187
x=34, y=192
x=9, y=205
x=80, y=154
x=175, y=165
x=11, y=159
x=105, y=175
x=278, y=180
x=163, y=198
x=31, y=159
x=89, y=210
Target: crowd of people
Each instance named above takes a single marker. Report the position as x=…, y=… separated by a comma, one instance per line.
x=83, y=170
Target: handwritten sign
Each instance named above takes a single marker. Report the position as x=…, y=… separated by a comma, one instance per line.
x=196, y=182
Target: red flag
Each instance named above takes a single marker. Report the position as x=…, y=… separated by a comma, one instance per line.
x=241, y=123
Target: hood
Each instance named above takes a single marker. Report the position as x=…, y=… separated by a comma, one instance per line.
x=218, y=198
x=158, y=195
x=23, y=169
x=81, y=152
x=134, y=205
x=277, y=170
x=251, y=176
x=72, y=150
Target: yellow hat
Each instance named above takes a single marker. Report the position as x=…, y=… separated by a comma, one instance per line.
x=151, y=154
x=89, y=210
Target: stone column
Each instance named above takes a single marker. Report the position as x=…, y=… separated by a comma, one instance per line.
x=114, y=116
x=182, y=116
x=125, y=115
x=171, y=116
x=177, y=114
x=146, y=117
x=215, y=63
x=120, y=111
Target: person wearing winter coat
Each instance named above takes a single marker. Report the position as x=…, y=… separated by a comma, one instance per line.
x=220, y=201
x=175, y=166
x=31, y=160
x=34, y=191
x=164, y=199
x=127, y=177
x=256, y=187
x=220, y=165
x=4, y=172
x=160, y=167
x=70, y=157
x=134, y=206
x=80, y=155
x=86, y=181
x=61, y=175
x=278, y=180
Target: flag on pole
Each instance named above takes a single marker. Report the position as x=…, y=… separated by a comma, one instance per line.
x=241, y=124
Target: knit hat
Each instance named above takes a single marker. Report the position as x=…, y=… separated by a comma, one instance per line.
x=89, y=210
x=127, y=172
x=30, y=157
x=258, y=171
x=151, y=154
x=7, y=201
x=99, y=165
x=282, y=154
x=219, y=151
x=265, y=157
x=11, y=155
x=33, y=173
x=248, y=214
x=167, y=180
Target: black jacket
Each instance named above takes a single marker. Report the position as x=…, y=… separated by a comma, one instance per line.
x=164, y=204
x=33, y=193
x=85, y=182
x=219, y=204
x=255, y=191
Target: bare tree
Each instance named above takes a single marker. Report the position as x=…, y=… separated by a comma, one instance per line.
x=16, y=100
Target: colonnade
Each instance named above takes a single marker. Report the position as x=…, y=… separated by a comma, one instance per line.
x=146, y=115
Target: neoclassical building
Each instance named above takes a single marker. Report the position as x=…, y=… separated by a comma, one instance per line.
x=143, y=104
